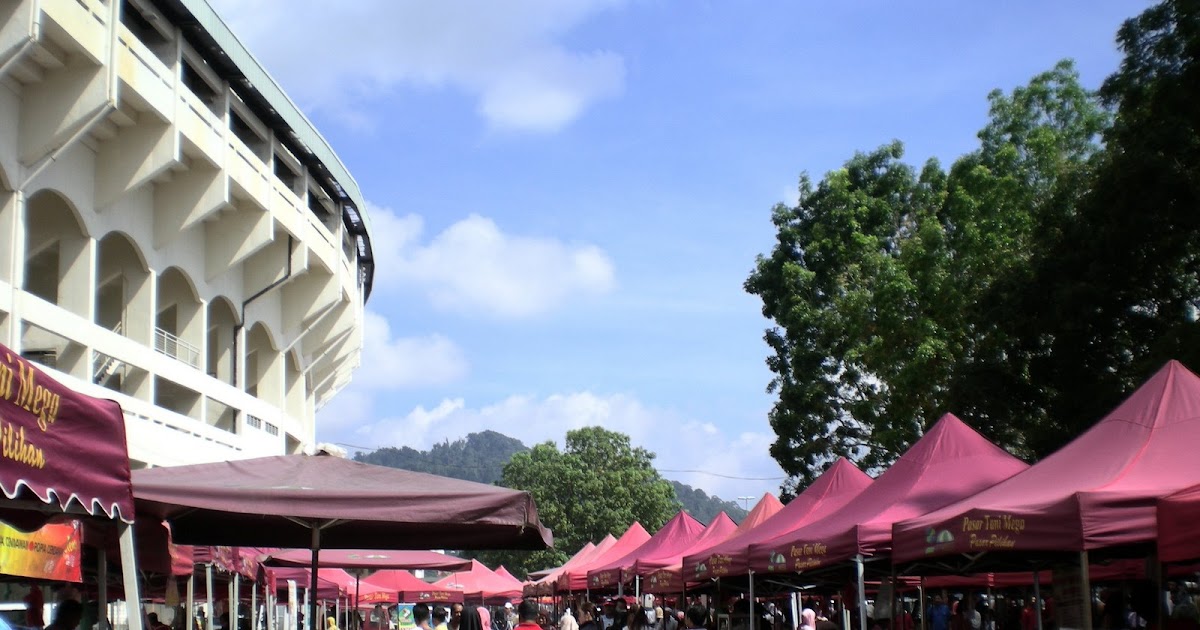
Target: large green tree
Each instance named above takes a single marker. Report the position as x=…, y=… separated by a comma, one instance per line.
x=599, y=484
x=1026, y=289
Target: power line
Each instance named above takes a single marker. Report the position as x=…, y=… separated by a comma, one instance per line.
x=661, y=470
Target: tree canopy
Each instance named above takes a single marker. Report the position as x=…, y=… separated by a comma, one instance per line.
x=599, y=484
x=1027, y=288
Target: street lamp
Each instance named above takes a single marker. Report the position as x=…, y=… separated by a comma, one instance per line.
x=746, y=502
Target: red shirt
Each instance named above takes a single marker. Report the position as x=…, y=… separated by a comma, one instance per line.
x=528, y=625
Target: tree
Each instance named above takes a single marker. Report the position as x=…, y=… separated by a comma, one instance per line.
x=884, y=280
x=599, y=484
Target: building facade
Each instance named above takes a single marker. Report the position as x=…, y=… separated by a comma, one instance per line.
x=174, y=233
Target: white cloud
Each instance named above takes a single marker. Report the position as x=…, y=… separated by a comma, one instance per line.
x=681, y=444
x=389, y=363
x=509, y=55
x=475, y=267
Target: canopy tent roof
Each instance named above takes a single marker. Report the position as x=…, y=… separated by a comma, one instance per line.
x=768, y=506
x=832, y=490
x=62, y=448
x=719, y=529
x=480, y=582
x=1097, y=491
x=548, y=575
x=368, y=559
x=672, y=539
x=575, y=579
x=329, y=584
x=394, y=586
x=948, y=463
x=259, y=501
x=1177, y=516
x=547, y=584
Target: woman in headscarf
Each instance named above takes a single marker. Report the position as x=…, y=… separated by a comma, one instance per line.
x=330, y=623
x=485, y=617
x=808, y=619
x=470, y=620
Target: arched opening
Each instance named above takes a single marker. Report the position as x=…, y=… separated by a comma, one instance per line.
x=57, y=255
x=179, y=319
x=124, y=293
x=264, y=366
x=294, y=388
x=222, y=322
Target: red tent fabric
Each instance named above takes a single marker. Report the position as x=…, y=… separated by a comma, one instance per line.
x=547, y=584
x=395, y=586
x=576, y=579
x=832, y=490
x=674, y=537
x=663, y=575
x=719, y=529
x=368, y=559
x=768, y=506
x=1097, y=491
x=60, y=446
x=480, y=582
x=948, y=463
x=1177, y=518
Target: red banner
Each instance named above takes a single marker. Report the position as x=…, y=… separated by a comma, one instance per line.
x=50, y=553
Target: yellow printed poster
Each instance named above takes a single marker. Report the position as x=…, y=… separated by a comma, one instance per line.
x=50, y=553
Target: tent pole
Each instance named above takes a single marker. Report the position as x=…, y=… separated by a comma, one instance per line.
x=354, y=625
x=921, y=602
x=254, y=606
x=208, y=591
x=191, y=600
x=894, y=607
x=102, y=589
x=235, y=599
x=133, y=599
x=1037, y=598
x=1085, y=586
x=312, y=595
x=750, y=622
x=862, y=593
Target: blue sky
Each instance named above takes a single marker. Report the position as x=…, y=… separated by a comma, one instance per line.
x=567, y=195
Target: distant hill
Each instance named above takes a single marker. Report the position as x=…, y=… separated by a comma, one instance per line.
x=481, y=457
x=704, y=507
x=478, y=457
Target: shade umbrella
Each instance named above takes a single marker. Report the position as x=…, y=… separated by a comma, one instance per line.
x=317, y=501
x=369, y=559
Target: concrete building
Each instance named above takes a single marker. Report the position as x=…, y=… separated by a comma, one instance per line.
x=174, y=233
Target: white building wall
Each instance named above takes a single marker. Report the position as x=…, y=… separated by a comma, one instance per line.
x=90, y=114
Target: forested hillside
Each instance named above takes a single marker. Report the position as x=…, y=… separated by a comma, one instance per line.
x=481, y=457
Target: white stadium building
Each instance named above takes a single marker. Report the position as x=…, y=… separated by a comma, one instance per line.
x=174, y=234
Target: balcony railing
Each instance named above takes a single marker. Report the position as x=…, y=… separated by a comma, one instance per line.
x=176, y=348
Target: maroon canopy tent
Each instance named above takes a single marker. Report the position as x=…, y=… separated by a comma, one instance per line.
x=948, y=463
x=833, y=489
x=576, y=578
x=480, y=582
x=663, y=575
x=546, y=584
x=395, y=586
x=1177, y=516
x=675, y=536
x=368, y=559
x=64, y=453
x=1097, y=491
x=325, y=501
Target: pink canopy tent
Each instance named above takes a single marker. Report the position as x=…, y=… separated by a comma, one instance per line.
x=576, y=578
x=1177, y=516
x=395, y=586
x=663, y=575
x=1097, y=491
x=768, y=506
x=547, y=584
x=480, y=583
x=500, y=596
x=538, y=578
x=674, y=537
x=948, y=463
x=832, y=490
